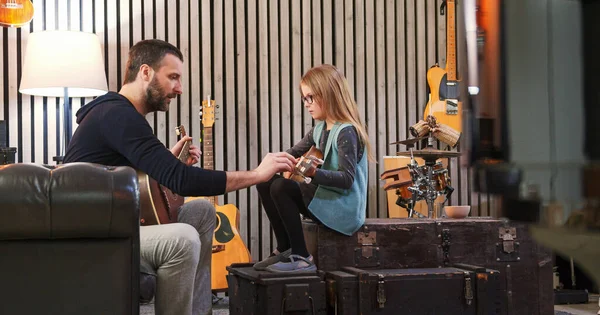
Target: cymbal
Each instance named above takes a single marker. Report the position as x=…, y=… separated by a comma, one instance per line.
x=429, y=153
x=409, y=141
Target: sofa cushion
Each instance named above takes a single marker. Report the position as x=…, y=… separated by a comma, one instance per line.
x=48, y=203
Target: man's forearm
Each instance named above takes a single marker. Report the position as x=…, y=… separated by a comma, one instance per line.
x=241, y=179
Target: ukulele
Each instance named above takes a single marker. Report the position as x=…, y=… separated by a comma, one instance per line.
x=444, y=95
x=228, y=247
x=306, y=163
x=158, y=204
x=15, y=13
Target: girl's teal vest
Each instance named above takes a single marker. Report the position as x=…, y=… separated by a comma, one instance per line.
x=342, y=210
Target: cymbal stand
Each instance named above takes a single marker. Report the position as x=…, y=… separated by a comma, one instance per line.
x=417, y=194
x=430, y=193
x=430, y=140
x=413, y=167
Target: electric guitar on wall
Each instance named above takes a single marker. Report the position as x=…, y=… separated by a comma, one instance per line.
x=228, y=246
x=15, y=13
x=158, y=204
x=444, y=95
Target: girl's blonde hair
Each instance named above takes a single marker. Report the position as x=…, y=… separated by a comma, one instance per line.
x=330, y=88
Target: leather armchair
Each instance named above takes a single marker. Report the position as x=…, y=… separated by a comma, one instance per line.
x=69, y=239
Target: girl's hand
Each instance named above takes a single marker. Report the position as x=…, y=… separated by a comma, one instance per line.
x=312, y=170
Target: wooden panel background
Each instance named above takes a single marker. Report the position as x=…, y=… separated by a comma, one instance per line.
x=249, y=56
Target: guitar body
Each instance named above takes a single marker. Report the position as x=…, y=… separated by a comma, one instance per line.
x=158, y=204
x=234, y=249
x=15, y=13
x=228, y=247
x=438, y=99
x=435, y=75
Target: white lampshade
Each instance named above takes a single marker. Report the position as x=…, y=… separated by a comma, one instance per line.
x=56, y=60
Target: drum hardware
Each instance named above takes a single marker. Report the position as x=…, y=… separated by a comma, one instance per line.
x=409, y=142
x=426, y=182
x=430, y=154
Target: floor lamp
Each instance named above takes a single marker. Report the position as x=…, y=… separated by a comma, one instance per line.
x=63, y=64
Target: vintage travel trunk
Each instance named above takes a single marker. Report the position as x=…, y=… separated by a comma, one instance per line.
x=448, y=290
x=525, y=268
x=266, y=293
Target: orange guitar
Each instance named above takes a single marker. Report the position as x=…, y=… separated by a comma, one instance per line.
x=15, y=13
x=228, y=246
x=444, y=95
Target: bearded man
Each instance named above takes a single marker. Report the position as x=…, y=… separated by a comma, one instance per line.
x=113, y=131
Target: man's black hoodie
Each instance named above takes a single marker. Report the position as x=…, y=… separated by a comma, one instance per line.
x=112, y=132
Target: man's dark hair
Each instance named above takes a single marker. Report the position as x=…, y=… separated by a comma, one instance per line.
x=150, y=52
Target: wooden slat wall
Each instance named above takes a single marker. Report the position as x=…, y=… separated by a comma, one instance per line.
x=249, y=56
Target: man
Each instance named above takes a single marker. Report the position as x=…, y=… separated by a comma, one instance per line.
x=113, y=131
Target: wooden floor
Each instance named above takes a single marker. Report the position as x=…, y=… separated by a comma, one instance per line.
x=592, y=308
x=220, y=307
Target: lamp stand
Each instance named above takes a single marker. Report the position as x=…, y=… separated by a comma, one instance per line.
x=66, y=128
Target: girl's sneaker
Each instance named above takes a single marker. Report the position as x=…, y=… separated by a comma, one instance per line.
x=297, y=263
x=263, y=264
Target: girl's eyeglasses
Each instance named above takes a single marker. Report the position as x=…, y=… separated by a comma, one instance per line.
x=307, y=99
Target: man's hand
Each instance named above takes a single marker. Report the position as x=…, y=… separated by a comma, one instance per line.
x=272, y=163
x=194, y=155
x=194, y=151
x=288, y=175
x=275, y=163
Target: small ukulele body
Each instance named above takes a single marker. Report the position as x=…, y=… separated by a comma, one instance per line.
x=307, y=162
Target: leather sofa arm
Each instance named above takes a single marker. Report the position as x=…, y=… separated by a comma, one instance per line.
x=75, y=200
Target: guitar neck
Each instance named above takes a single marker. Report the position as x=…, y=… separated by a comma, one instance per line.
x=185, y=152
x=207, y=153
x=451, y=41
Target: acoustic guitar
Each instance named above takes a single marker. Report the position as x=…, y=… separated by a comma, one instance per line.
x=228, y=247
x=15, y=13
x=158, y=203
x=309, y=160
x=443, y=84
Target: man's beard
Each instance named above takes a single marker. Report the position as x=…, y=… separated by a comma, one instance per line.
x=156, y=98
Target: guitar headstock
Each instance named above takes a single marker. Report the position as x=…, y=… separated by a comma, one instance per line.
x=180, y=130
x=208, y=113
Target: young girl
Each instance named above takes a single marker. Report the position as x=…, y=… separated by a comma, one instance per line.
x=336, y=196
